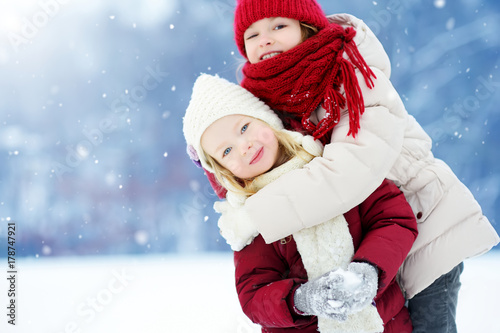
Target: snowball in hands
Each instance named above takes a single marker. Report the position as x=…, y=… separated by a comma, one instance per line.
x=338, y=293
x=366, y=291
x=316, y=297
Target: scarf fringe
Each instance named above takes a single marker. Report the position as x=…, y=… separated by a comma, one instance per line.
x=313, y=73
x=333, y=103
x=355, y=101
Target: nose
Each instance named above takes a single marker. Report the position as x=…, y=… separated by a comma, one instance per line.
x=265, y=40
x=245, y=147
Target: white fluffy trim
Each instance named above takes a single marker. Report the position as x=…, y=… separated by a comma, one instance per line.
x=324, y=248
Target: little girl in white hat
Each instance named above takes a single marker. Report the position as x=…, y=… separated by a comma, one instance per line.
x=338, y=276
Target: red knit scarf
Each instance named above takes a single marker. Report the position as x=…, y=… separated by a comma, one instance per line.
x=296, y=82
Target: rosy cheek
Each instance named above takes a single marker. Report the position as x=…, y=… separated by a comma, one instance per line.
x=252, y=54
x=267, y=135
x=233, y=166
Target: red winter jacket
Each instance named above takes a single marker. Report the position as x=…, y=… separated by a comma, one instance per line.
x=383, y=229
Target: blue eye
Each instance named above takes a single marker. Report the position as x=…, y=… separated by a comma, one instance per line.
x=244, y=128
x=279, y=26
x=227, y=151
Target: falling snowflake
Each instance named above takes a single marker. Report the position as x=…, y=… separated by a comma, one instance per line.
x=439, y=3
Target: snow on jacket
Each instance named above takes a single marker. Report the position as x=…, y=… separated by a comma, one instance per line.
x=383, y=229
x=390, y=144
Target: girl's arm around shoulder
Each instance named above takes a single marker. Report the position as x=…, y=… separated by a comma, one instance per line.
x=347, y=173
x=389, y=229
x=264, y=289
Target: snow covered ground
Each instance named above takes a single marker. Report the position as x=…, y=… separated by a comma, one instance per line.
x=178, y=294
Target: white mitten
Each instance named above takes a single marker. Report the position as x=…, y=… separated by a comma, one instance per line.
x=235, y=225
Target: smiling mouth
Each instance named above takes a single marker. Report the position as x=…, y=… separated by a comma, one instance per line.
x=257, y=156
x=269, y=55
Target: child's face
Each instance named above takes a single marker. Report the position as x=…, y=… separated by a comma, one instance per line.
x=271, y=36
x=244, y=145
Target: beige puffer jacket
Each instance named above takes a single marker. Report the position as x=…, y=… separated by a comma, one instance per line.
x=390, y=144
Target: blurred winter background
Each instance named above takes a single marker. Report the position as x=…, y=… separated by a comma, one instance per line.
x=93, y=169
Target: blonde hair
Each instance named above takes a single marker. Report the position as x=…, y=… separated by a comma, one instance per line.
x=287, y=149
x=307, y=31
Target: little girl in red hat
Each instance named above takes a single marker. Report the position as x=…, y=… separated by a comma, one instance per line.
x=332, y=81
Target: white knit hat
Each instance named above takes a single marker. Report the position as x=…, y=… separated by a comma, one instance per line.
x=213, y=98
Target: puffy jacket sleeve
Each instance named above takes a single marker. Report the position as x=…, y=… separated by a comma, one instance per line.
x=389, y=229
x=347, y=173
x=350, y=169
x=264, y=291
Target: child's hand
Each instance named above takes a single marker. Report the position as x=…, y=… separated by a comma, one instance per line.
x=367, y=289
x=319, y=297
x=338, y=293
x=235, y=225
x=358, y=287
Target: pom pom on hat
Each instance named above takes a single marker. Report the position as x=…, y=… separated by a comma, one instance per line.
x=249, y=11
x=213, y=98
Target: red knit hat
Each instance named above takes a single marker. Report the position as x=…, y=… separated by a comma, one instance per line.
x=249, y=11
